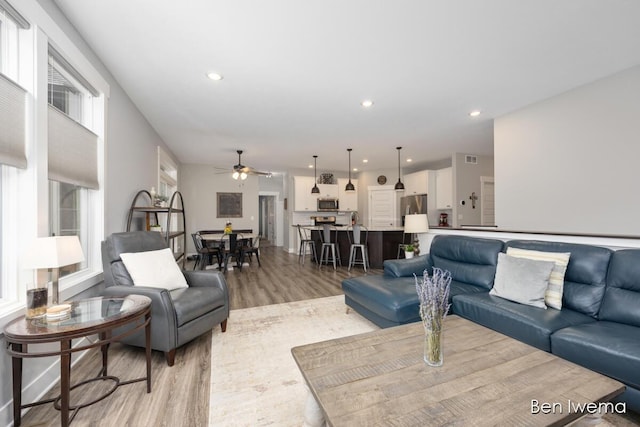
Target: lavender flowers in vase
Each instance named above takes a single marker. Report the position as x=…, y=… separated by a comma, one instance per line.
x=433, y=293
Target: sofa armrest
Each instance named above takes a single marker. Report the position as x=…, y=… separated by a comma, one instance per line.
x=199, y=278
x=407, y=267
x=204, y=278
x=163, y=320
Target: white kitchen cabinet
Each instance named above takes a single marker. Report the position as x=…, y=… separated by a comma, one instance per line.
x=348, y=200
x=416, y=183
x=329, y=190
x=304, y=199
x=444, y=188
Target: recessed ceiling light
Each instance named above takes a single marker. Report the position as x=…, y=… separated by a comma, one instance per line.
x=365, y=160
x=215, y=76
x=310, y=166
x=409, y=160
x=355, y=169
x=475, y=113
x=367, y=103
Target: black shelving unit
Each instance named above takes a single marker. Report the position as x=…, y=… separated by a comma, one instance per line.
x=143, y=204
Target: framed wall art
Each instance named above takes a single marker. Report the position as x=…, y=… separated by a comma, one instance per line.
x=229, y=205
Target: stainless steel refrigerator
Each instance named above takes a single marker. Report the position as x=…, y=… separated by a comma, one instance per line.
x=416, y=204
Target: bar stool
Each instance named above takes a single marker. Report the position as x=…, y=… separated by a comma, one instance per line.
x=357, y=242
x=329, y=248
x=306, y=241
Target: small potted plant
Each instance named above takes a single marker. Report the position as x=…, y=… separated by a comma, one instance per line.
x=409, y=251
x=159, y=201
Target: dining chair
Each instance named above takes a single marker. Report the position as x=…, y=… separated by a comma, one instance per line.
x=306, y=242
x=204, y=253
x=358, y=236
x=330, y=251
x=252, y=247
x=231, y=250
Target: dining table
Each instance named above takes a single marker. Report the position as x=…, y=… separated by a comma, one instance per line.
x=215, y=239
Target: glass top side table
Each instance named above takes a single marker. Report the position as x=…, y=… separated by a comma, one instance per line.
x=94, y=316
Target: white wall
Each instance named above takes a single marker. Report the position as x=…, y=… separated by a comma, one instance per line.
x=199, y=185
x=131, y=165
x=570, y=163
x=467, y=181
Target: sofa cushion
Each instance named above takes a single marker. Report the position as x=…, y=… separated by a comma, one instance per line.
x=393, y=299
x=553, y=294
x=612, y=349
x=522, y=322
x=469, y=259
x=584, y=280
x=522, y=280
x=621, y=301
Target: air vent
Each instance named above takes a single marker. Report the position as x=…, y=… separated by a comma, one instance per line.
x=473, y=160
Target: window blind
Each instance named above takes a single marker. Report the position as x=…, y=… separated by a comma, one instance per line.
x=12, y=123
x=73, y=151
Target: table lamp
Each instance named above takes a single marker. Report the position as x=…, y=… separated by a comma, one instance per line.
x=52, y=253
x=414, y=224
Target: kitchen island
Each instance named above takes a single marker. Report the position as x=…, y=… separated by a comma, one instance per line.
x=382, y=242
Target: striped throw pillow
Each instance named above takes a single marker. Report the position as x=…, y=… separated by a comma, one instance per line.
x=553, y=295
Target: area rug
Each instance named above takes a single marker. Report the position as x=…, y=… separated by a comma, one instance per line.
x=254, y=379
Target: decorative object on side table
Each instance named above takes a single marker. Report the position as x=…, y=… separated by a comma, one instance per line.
x=433, y=293
x=52, y=253
x=409, y=251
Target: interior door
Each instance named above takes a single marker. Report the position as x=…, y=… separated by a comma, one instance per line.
x=487, y=201
x=382, y=207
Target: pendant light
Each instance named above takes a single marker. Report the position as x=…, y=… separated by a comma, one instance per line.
x=315, y=189
x=399, y=185
x=349, y=187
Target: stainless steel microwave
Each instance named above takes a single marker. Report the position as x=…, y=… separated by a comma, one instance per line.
x=326, y=204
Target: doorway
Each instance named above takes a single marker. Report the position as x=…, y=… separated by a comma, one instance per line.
x=266, y=220
x=487, y=201
x=382, y=207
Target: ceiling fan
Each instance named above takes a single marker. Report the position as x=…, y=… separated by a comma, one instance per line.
x=241, y=171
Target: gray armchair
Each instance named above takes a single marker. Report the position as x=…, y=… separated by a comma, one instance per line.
x=177, y=316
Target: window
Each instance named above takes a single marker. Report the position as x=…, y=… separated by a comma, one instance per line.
x=72, y=155
x=8, y=46
x=68, y=216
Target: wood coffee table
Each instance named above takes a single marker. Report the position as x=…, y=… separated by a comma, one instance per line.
x=380, y=378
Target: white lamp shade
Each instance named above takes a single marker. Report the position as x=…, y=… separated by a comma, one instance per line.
x=53, y=252
x=416, y=223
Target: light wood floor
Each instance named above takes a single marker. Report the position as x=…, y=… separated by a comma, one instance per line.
x=180, y=394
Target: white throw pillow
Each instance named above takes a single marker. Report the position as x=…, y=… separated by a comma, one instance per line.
x=553, y=296
x=522, y=280
x=154, y=269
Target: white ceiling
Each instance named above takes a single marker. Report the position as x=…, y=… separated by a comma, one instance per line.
x=296, y=71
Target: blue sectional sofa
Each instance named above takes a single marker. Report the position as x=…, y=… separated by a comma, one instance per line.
x=598, y=326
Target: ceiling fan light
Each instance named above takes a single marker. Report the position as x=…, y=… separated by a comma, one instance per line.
x=235, y=175
x=243, y=176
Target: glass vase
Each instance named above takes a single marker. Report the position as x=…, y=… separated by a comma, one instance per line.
x=433, y=347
